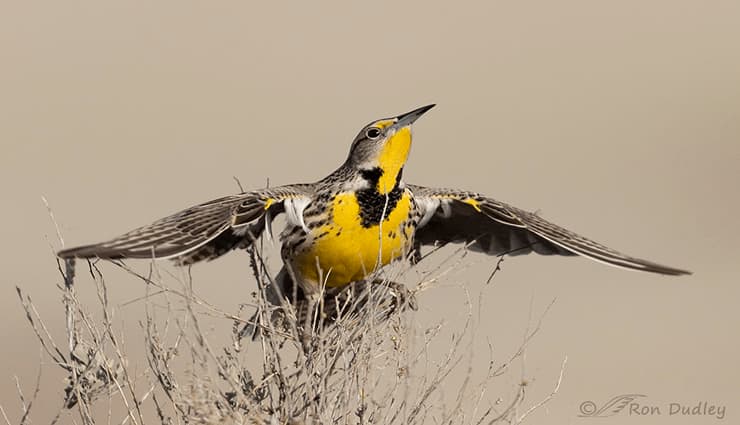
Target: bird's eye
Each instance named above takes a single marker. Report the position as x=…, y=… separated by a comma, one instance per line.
x=372, y=133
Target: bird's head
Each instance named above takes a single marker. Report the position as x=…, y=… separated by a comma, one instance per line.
x=380, y=150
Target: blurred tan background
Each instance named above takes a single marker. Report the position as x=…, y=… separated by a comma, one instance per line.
x=620, y=120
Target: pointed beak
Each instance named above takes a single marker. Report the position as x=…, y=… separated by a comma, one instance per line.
x=405, y=120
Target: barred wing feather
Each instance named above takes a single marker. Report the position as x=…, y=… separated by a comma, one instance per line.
x=495, y=228
x=201, y=232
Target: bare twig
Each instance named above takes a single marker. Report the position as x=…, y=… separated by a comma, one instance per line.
x=5, y=416
x=549, y=396
x=53, y=220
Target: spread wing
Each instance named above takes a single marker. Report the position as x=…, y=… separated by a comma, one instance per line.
x=496, y=228
x=205, y=231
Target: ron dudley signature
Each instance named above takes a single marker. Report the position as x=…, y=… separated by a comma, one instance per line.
x=640, y=405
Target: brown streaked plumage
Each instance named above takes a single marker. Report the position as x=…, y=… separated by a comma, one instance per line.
x=358, y=218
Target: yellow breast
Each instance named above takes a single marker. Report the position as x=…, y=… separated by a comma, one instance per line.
x=344, y=250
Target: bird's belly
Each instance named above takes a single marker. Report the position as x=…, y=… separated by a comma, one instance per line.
x=344, y=250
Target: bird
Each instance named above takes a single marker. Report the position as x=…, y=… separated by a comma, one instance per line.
x=358, y=219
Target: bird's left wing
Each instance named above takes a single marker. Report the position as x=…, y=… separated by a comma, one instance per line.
x=205, y=231
x=496, y=228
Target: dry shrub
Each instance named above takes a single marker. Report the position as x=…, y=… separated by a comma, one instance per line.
x=372, y=364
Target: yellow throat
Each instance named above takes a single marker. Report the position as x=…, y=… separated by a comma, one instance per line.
x=392, y=158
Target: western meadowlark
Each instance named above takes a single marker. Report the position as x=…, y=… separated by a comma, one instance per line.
x=357, y=219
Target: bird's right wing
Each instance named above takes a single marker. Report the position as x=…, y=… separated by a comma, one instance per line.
x=205, y=231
